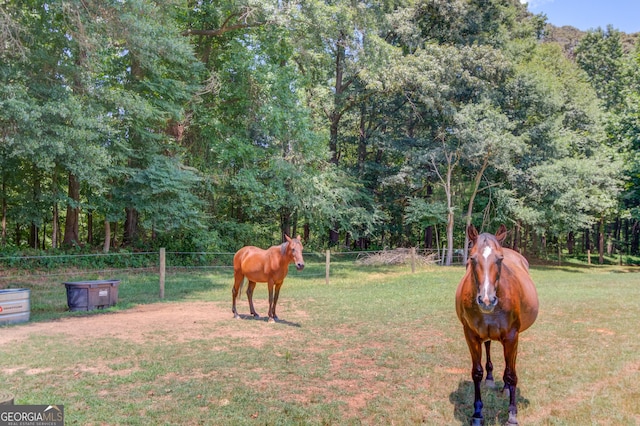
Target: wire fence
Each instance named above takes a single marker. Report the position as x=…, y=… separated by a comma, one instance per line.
x=145, y=273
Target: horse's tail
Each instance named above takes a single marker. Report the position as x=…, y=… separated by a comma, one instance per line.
x=241, y=287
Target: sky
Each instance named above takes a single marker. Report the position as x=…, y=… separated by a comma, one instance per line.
x=623, y=15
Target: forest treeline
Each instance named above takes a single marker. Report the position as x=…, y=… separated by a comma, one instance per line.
x=207, y=125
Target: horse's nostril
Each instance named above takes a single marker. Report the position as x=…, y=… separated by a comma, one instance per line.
x=488, y=302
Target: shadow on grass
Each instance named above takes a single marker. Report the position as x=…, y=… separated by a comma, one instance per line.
x=250, y=317
x=496, y=403
x=49, y=299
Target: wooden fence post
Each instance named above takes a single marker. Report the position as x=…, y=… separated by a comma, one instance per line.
x=327, y=266
x=163, y=265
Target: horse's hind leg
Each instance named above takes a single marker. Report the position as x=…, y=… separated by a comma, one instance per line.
x=250, y=287
x=235, y=291
x=489, y=366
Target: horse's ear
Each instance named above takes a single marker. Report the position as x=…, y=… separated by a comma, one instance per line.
x=472, y=233
x=298, y=237
x=287, y=237
x=501, y=234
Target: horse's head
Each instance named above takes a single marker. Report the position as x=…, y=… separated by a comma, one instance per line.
x=485, y=259
x=294, y=246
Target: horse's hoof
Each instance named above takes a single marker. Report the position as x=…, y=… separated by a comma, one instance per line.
x=490, y=384
x=255, y=315
x=271, y=320
x=513, y=420
x=475, y=421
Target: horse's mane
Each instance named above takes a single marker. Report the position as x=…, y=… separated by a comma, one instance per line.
x=283, y=247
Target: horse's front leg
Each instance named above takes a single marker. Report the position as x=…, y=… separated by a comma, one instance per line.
x=275, y=300
x=475, y=348
x=510, y=344
x=270, y=286
x=489, y=365
x=250, y=287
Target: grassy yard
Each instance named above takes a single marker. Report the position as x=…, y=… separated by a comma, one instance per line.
x=377, y=346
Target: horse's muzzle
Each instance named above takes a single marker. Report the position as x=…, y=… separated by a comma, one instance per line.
x=487, y=308
x=299, y=266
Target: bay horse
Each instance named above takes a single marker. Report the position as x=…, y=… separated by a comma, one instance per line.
x=495, y=300
x=265, y=266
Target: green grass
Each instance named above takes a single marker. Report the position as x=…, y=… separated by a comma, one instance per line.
x=376, y=346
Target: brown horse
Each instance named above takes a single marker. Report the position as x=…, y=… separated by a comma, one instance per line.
x=265, y=266
x=496, y=300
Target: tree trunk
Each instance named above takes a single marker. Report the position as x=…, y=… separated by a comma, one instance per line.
x=334, y=237
x=33, y=229
x=18, y=238
x=587, y=240
x=90, y=227
x=71, y=234
x=601, y=241
x=54, y=226
x=33, y=236
x=107, y=236
x=476, y=186
x=114, y=235
x=428, y=237
x=517, y=235
x=130, y=227
x=336, y=114
x=571, y=242
x=451, y=159
x=4, y=213
x=285, y=223
x=362, y=141
x=306, y=231
x=450, y=215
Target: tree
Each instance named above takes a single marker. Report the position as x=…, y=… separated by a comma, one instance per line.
x=98, y=85
x=563, y=124
x=487, y=139
x=600, y=55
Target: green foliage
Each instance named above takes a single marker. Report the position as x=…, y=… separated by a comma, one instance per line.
x=425, y=214
x=214, y=124
x=600, y=55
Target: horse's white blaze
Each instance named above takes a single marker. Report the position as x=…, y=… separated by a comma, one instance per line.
x=487, y=283
x=486, y=252
x=485, y=289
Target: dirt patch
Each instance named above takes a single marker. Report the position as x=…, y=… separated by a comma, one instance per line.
x=161, y=321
